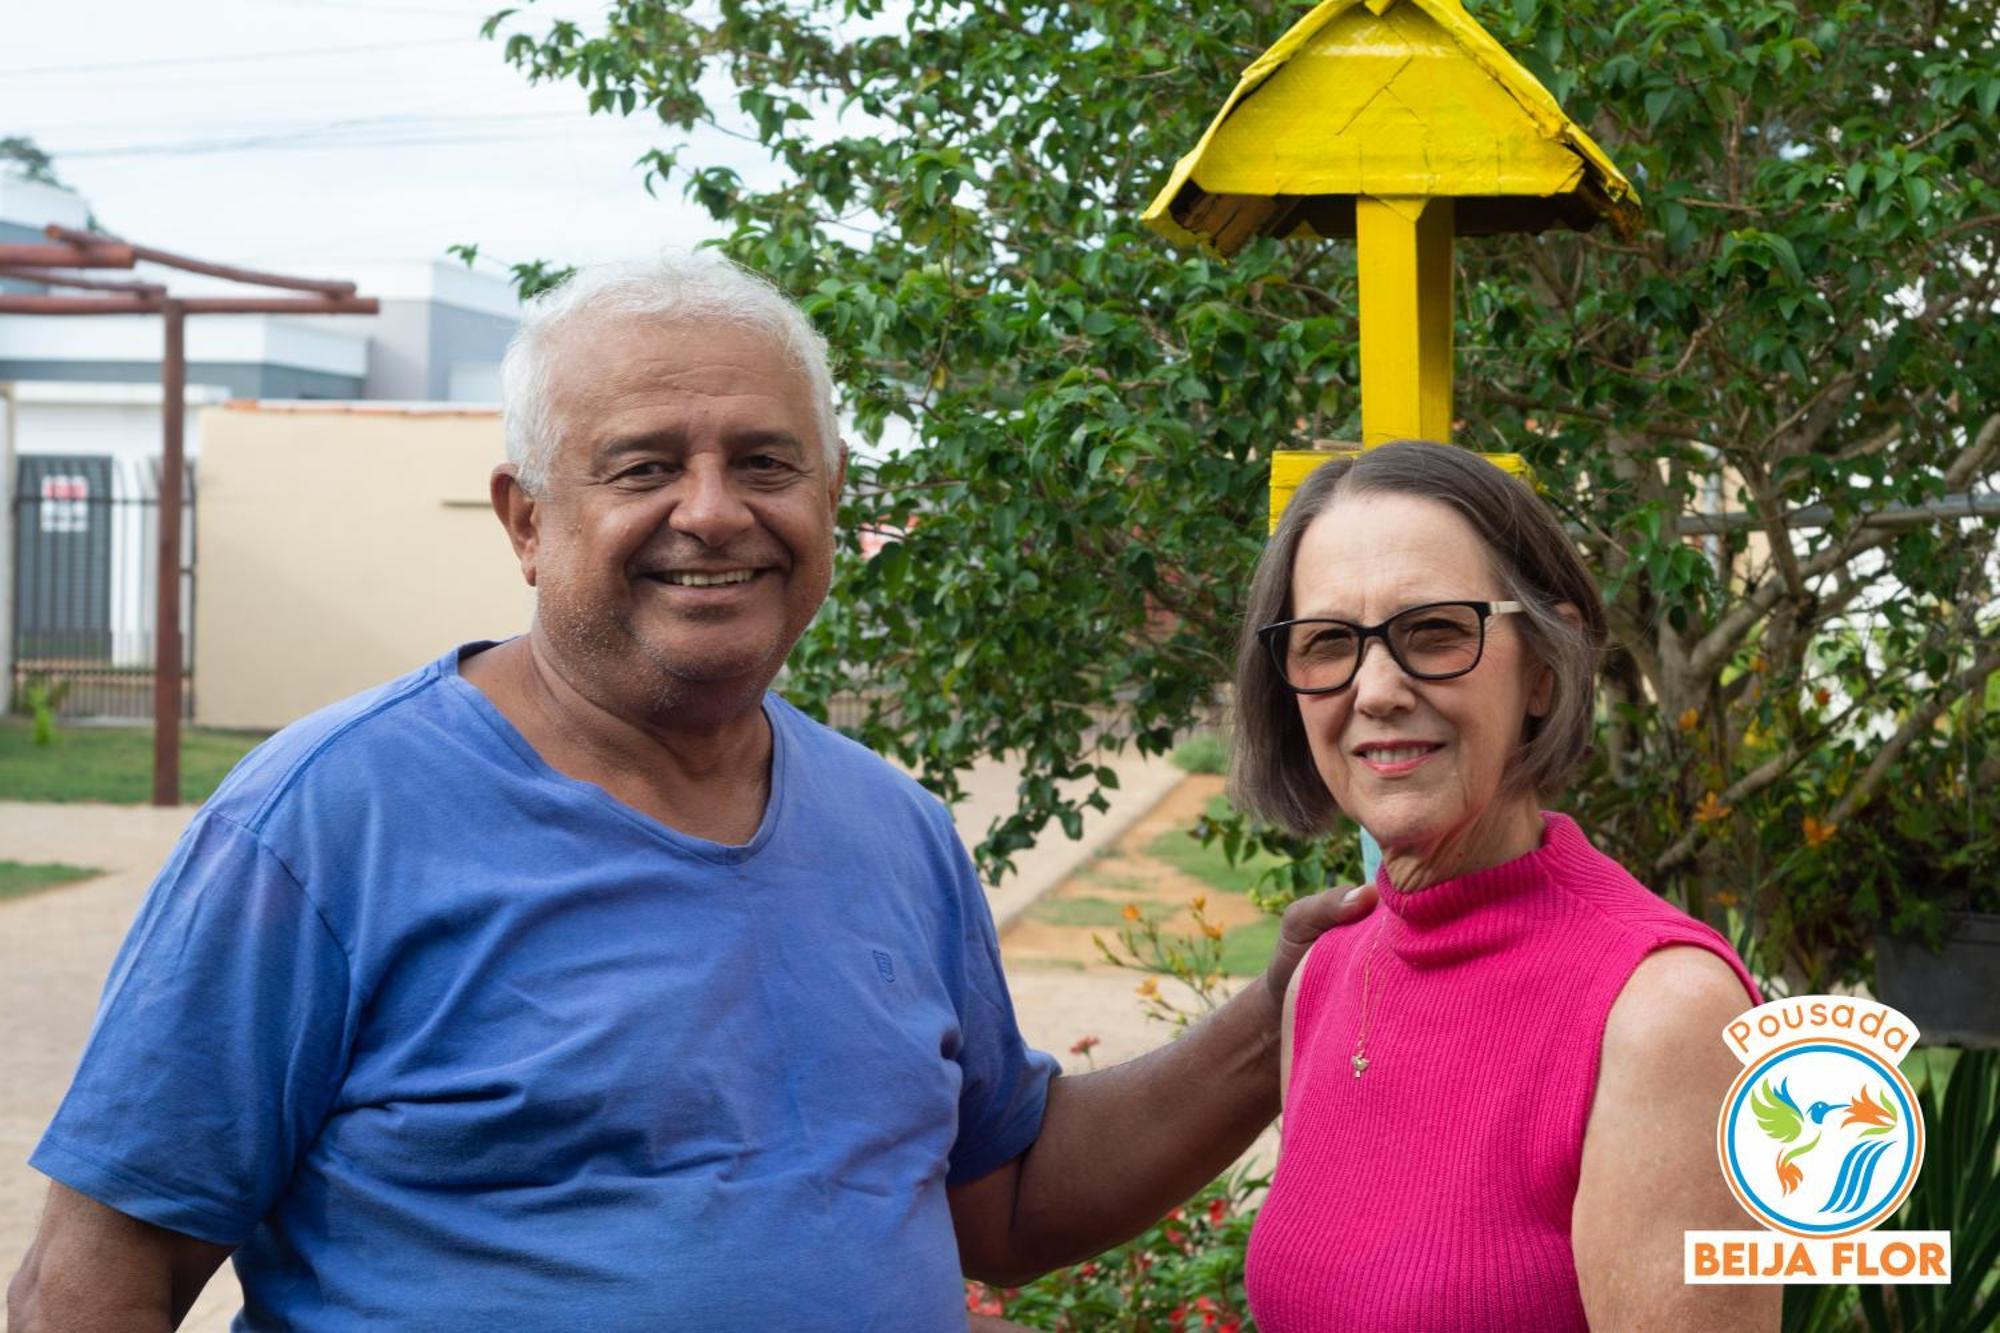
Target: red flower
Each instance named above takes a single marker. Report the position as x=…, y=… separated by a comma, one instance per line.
x=1217, y=1210
x=1083, y=1045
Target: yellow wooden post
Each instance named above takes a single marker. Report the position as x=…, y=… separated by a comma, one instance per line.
x=1403, y=124
x=1403, y=253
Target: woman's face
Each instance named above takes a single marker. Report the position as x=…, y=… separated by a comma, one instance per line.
x=1417, y=762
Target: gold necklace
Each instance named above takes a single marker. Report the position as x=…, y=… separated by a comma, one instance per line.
x=1359, y=1060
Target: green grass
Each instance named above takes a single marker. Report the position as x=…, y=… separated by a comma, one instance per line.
x=1246, y=950
x=112, y=764
x=1202, y=753
x=1095, y=913
x=1208, y=864
x=1106, y=879
x=18, y=879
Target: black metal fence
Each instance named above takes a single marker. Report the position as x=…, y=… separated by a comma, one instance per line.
x=86, y=552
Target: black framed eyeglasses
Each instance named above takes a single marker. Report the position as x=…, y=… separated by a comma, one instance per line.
x=1435, y=641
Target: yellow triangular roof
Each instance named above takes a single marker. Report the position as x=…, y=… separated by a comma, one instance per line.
x=1390, y=98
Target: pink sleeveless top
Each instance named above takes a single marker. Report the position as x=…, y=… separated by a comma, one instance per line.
x=1434, y=1192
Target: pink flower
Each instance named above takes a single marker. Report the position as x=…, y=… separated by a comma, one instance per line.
x=979, y=1299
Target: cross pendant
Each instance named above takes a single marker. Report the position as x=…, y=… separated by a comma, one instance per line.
x=1360, y=1063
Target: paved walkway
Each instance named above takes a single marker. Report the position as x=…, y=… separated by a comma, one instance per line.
x=56, y=946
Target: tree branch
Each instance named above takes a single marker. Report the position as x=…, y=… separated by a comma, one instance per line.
x=1749, y=784
x=1721, y=640
x=1973, y=678
x=1658, y=426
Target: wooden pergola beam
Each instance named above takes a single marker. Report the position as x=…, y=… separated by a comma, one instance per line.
x=67, y=256
x=167, y=259
x=70, y=248
x=139, y=304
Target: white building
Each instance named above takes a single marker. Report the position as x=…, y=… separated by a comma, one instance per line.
x=80, y=426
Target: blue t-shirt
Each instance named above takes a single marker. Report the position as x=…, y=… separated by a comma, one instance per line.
x=441, y=1038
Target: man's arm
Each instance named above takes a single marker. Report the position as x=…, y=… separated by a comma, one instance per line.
x=91, y=1268
x=1119, y=1147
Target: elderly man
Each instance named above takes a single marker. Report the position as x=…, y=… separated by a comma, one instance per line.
x=578, y=981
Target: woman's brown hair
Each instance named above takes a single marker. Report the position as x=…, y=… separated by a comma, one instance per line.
x=1272, y=775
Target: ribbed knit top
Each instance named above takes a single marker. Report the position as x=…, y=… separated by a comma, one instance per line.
x=1434, y=1192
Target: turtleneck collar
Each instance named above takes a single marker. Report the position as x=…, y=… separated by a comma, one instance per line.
x=1453, y=900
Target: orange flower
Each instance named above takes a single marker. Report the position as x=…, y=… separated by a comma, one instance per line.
x=1711, y=810
x=1212, y=930
x=1149, y=989
x=1790, y=1177
x=1199, y=901
x=1817, y=834
x=1689, y=720
x=1725, y=898
x=1131, y=912
x=1865, y=1110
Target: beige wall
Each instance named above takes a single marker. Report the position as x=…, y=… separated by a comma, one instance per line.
x=341, y=546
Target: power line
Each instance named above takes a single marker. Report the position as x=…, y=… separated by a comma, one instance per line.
x=239, y=58
x=360, y=132
x=267, y=145
x=477, y=11
x=415, y=119
x=382, y=143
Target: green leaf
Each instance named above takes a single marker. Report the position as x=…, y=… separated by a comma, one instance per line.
x=1083, y=414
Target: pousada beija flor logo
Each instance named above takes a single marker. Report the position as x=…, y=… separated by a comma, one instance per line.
x=1820, y=1139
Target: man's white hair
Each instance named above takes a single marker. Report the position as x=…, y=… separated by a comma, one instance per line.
x=676, y=287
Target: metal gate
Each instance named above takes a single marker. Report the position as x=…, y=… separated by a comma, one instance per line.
x=86, y=548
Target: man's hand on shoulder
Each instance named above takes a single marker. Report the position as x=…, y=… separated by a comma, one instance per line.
x=1120, y=1146
x=1305, y=921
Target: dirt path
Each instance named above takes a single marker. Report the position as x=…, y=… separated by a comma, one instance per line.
x=1058, y=928
x=1063, y=989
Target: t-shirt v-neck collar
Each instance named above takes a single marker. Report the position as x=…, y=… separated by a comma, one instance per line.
x=719, y=852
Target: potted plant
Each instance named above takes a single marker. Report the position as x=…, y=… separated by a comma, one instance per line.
x=1937, y=952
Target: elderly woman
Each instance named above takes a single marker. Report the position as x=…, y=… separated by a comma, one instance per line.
x=1501, y=1089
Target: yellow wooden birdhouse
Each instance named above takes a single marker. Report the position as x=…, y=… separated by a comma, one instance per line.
x=1403, y=124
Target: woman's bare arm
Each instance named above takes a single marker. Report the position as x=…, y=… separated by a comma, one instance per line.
x=1649, y=1169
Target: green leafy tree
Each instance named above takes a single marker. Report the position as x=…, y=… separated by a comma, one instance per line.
x=1807, y=320
x=21, y=156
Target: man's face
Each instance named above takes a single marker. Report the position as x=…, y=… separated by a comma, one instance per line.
x=683, y=535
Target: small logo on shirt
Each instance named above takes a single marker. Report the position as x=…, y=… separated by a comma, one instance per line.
x=1820, y=1139
x=885, y=965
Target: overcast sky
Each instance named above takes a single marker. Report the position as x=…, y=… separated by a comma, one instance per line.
x=300, y=134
